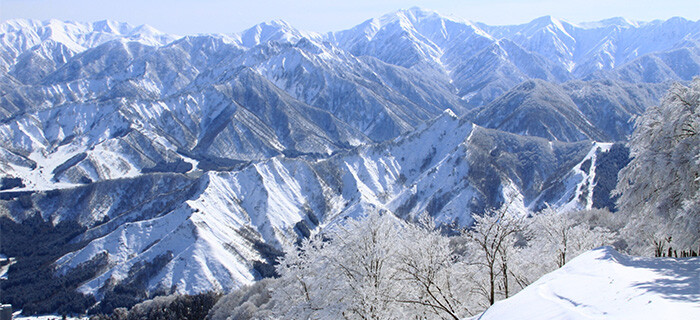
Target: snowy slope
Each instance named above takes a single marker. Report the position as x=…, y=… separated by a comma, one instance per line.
x=214, y=151
x=574, y=111
x=55, y=41
x=225, y=223
x=604, y=284
x=484, y=61
x=209, y=97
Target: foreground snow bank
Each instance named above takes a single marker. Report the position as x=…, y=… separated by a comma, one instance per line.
x=603, y=283
x=45, y=317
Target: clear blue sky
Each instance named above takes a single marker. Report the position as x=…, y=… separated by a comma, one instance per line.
x=222, y=16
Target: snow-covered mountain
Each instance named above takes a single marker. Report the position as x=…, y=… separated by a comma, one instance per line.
x=485, y=61
x=573, y=111
x=603, y=283
x=187, y=163
x=224, y=223
x=45, y=45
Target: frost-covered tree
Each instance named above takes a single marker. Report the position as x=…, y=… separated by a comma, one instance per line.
x=560, y=237
x=376, y=267
x=429, y=273
x=244, y=303
x=304, y=290
x=367, y=265
x=381, y=267
x=505, y=253
x=660, y=187
x=347, y=272
x=492, y=251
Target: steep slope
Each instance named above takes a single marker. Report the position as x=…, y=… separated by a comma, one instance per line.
x=485, y=61
x=379, y=99
x=541, y=109
x=191, y=162
x=456, y=51
x=573, y=111
x=603, y=283
x=273, y=31
x=393, y=38
x=498, y=68
x=196, y=96
x=230, y=224
x=678, y=64
x=610, y=106
x=23, y=39
x=241, y=118
x=594, y=46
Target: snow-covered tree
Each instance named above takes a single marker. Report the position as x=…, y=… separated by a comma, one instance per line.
x=347, y=272
x=245, y=303
x=560, y=237
x=660, y=187
x=381, y=267
x=369, y=248
x=302, y=291
x=375, y=267
x=431, y=280
x=492, y=251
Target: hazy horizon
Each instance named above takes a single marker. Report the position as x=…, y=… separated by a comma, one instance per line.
x=217, y=16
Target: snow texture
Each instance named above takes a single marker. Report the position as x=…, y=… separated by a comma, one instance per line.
x=604, y=284
x=212, y=149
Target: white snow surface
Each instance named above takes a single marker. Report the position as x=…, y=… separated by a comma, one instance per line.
x=212, y=237
x=604, y=284
x=185, y=85
x=17, y=316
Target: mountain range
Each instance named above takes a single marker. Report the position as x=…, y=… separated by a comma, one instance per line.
x=204, y=156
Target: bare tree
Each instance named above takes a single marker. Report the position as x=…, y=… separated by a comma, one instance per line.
x=564, y=236
x=493, y=238
x=426, y=266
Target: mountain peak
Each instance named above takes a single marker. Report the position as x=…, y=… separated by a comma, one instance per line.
x=610, y=22
x=275, y=30
x=548, y=20
x=280, y=23
x=417, y=12
x=110, y=26
x=416, y=15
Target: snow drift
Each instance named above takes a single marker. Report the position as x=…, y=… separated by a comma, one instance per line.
x=603, y=283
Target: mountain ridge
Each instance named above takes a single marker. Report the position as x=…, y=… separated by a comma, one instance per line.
x=217, y=151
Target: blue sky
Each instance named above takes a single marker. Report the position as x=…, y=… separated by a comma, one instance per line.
x=210, y=16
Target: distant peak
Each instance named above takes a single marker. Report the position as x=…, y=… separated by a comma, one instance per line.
x=544, y=20
x=418, y=11
x=676, y=20
x=410, y=15
x=110, y=26
x=614, y=21
x=279, y=23
x=619, y=21
x=146, y=29
x=549, y=20
x=275, y=30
